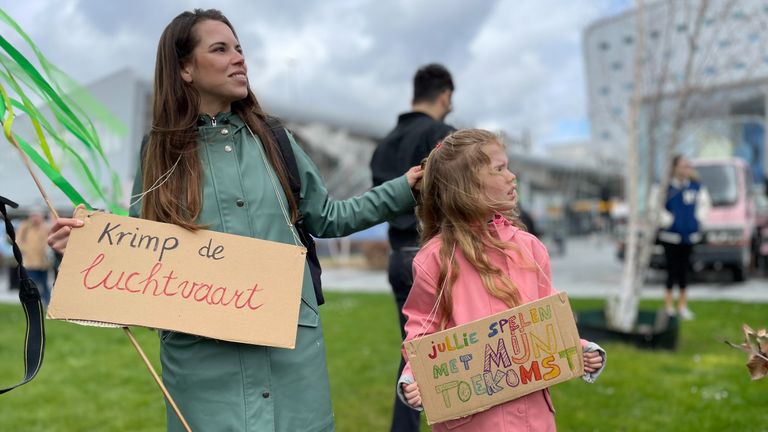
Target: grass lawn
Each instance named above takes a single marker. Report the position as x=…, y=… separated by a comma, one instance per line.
x=93, y=380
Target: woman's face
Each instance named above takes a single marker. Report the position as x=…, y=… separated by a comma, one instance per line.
x=217, y=67
x=682, y=169
x=498, y=182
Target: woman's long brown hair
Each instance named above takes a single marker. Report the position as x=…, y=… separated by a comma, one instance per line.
x=455, y=206
x=178, y=200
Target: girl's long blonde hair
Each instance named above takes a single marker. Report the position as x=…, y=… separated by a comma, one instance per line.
x=455, y=206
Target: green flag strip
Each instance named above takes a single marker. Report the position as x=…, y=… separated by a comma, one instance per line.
x=37, y=118
x=61, y=101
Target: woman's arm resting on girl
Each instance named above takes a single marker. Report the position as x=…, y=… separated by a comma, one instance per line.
x=414, y=175
x=327, y=217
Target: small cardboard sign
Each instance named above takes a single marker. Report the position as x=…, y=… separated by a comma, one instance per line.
x=129, y=271
x=475, y=366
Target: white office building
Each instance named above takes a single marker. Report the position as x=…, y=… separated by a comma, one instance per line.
x=712, y=54
x=126, y=97
x=340, y=151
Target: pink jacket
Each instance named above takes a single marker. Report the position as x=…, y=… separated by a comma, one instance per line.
x=471, y=301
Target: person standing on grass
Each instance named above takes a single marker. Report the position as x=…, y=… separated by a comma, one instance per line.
x=416, y=134
x=211, y=163
x=686, y=206
x=477, y=261
x=31, y=238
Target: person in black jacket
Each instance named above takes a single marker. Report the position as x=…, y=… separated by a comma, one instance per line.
x=416, y=134
x=527, y=220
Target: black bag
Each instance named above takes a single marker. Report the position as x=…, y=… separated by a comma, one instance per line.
x=294, y=181
x=34, y=342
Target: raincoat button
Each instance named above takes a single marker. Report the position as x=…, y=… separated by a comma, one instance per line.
x=225, y=131
x=265, y=394
x=227, y=148
x=240, y=203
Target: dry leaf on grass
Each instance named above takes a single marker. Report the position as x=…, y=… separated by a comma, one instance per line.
x=756, y=346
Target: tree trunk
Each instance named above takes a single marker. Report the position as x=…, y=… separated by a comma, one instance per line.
x=621, y=311
x=622, y=308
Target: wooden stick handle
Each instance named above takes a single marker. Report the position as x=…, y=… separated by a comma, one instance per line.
x=126, y=329
x=157, y=378
x=34, y=177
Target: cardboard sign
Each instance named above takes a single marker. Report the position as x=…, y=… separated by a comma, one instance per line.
x=475, y=366
x=130, y=271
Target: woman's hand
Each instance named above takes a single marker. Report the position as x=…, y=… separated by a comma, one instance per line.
x=58, y=235
x=414, y=175
x=412, y=395
x=593, y=361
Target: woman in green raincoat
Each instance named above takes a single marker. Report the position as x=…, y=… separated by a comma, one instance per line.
x=211, y=163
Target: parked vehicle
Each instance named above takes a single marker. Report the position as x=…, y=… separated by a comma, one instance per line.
x=736, y=228
x=730, y=227
x=761, y=223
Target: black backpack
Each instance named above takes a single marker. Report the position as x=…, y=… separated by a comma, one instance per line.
x=294, y=181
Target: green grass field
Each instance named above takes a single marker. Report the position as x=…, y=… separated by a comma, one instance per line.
x=93, y=380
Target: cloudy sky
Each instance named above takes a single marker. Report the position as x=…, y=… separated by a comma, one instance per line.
x=517, y=64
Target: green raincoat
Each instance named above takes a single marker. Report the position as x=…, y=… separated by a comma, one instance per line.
x=225, y=386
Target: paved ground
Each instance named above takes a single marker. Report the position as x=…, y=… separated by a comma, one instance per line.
x=587, y=270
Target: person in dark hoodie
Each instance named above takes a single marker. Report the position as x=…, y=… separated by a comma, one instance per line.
x=417, y=132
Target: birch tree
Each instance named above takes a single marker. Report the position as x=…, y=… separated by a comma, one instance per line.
x=672, y=90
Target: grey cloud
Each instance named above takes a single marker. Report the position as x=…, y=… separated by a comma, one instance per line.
x=138, y=16
x=516, y=63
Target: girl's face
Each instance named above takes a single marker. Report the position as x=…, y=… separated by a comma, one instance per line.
x=498, y=182
x=217, y=67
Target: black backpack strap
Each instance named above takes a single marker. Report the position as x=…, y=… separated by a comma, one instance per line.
x=143, y=151
x=34, y=342
x=286, y=152
x=294, y=181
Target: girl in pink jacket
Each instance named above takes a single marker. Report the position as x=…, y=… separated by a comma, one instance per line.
x=476, y=261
